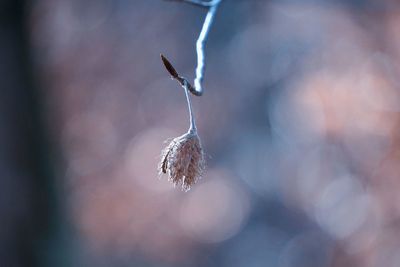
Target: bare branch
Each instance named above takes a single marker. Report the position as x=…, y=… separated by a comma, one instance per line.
x=200, y=44
x=212, y=6
x=174, y=74
x=200, y=3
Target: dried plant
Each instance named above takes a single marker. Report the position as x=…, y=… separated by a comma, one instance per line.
x=183, y=159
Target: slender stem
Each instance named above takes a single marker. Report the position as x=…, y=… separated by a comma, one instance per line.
x=201, y=3
x=192, y=127
x=200, y=44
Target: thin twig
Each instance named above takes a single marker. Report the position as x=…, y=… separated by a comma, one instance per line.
x=199, y=2
x=200, y=45
x=174, y=74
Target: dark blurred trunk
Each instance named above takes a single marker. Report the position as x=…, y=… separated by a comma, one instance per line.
x=29, y=210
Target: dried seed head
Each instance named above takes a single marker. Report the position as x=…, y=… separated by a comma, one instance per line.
x=183, y=160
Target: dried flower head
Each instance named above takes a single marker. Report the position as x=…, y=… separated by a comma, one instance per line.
x=183, y=160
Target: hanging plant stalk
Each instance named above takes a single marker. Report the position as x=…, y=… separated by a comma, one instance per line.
x=183, y=159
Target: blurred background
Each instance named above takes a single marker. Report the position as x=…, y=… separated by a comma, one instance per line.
x=299, y=120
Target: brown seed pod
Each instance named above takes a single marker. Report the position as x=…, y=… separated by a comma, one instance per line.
x=183, y=160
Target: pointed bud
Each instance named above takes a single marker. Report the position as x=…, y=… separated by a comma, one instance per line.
x=169, y=67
